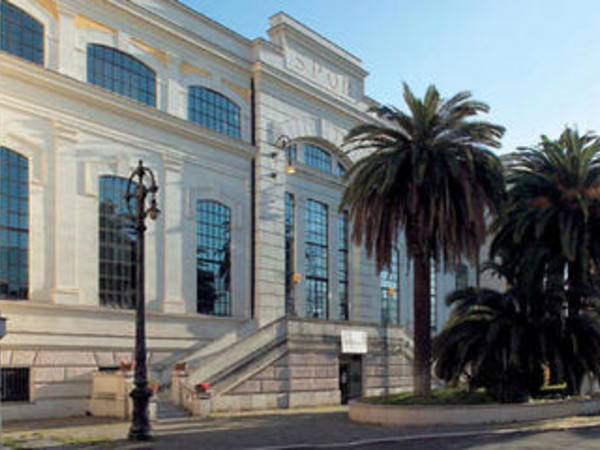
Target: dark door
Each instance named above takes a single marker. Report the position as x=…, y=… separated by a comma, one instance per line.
x=350, y=377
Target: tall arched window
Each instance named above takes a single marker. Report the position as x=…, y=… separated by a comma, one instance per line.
x=213, y=110
x=118, y=245
x=14, y=225
x=20, y=34
x=213, y=258
x=119, y=72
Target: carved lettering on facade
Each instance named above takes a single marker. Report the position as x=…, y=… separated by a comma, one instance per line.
x=318, y=72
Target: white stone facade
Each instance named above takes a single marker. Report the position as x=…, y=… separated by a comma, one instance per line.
x=296, y=84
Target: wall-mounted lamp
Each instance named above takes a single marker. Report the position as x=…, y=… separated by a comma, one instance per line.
x=284, y=142
x=296, y=277
x=391, y=291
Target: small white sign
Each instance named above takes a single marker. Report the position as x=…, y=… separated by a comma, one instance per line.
x=354, y=341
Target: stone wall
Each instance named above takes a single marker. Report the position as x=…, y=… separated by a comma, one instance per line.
x=61, y=380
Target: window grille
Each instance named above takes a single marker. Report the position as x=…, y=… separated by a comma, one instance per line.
x=317, y=157
x=20, y=34
x=317, y=262
x=121, y=73
x=343, y=266
x=118, y=245
x=389, y=281
x=289, y=252
x=213, y=110
x=14, y=225
x=213, y=255
x=15, y=384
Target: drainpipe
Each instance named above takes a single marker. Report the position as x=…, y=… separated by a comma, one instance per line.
x=253, y=202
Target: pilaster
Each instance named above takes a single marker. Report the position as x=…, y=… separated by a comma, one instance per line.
x=174, y=301
x=65, y=289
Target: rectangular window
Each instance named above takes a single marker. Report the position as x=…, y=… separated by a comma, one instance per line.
x=289, y=252
x=389, y=280
x=343, y=266
x=15, y=384
x=317, y=262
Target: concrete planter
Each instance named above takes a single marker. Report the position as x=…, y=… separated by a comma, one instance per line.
x=469, y=414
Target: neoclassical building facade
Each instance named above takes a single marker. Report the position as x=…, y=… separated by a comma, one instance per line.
x=250, y=273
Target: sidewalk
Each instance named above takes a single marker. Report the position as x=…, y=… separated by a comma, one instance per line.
x=317, y=428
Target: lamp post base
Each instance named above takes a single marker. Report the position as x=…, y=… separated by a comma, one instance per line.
x=140, y=425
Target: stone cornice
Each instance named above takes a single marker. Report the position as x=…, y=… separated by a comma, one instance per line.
x=165, y=24
x=314, y=93
x=62, y=84
x=27, y=306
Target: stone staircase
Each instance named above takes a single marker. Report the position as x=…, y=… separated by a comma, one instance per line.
x=196, y=357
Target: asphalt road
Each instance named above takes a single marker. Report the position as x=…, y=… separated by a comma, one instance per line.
x=581, y=439
x=301, y=431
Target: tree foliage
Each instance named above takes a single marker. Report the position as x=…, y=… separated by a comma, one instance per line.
x=543, y=246
x=431, y=174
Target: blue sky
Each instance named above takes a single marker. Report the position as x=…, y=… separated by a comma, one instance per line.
x=535, y=62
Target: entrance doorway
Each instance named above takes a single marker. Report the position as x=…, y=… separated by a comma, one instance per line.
x=350, y=377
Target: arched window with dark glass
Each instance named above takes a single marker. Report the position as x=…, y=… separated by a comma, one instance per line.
x=317, y=261
x=118, y=245
x=213, y=110
x=389, y=282
x=119, y=72
x=14, y=225
x=213, y=258
x=20, y=34
x=317, y=157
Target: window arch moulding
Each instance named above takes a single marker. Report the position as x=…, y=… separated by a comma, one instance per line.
x=35, y=154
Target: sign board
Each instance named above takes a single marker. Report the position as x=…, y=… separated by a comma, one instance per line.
x=354, y=341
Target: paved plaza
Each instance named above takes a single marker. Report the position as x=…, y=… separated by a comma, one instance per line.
x=324, y=428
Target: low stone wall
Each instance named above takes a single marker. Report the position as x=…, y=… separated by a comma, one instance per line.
x=469, y=414
x=295, y=380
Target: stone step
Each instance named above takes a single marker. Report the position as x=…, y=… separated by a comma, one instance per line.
x=166, y=411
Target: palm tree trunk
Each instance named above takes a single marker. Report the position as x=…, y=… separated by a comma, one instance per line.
x=422, y=333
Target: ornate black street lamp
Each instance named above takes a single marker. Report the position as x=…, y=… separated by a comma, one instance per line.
x=141, y=184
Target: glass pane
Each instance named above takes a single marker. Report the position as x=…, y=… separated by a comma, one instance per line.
x=389, y=282
x=317, y=157
x=213, y=110
x=14, y=225
x=119, y=72
x=118, y=245
x=213, y=257
x=317, y=280
x=289, y=252
x=20, y=34
x=343, y=265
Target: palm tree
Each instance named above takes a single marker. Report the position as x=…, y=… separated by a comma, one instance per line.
x=496, y=340
x=429, y=173
x=553, y=210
